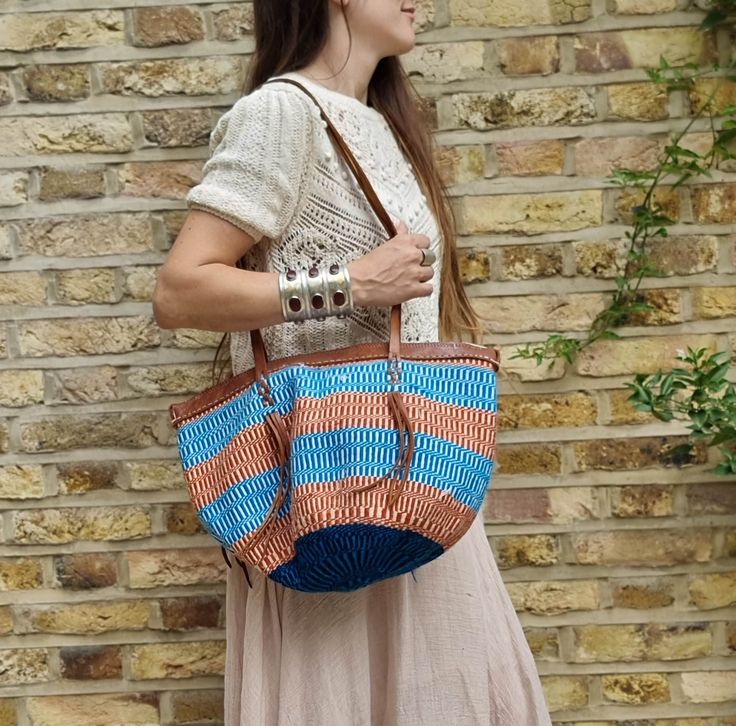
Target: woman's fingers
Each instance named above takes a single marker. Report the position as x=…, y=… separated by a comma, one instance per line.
x=426, y=273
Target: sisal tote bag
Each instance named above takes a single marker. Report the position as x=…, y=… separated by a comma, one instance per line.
x=333, y=470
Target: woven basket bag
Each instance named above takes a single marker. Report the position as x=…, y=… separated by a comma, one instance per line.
x=334, y=470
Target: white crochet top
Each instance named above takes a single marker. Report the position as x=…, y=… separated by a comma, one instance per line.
x=274, y=173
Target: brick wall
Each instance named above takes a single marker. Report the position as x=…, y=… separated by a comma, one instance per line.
x=619, y=558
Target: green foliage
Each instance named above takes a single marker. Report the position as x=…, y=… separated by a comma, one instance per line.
x=700, y=392
x=720, y=12
x=676, y=165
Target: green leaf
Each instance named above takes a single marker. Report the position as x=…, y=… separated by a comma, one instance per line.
x=724, y=436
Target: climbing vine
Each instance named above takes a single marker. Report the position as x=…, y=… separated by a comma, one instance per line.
x=699, y=392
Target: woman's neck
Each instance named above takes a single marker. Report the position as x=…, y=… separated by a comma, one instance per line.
x=331, y=69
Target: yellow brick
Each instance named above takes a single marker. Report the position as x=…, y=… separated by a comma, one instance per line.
x=86, y=618
x=6, y=621
x=124, y=709
x=445, y=62
x=20, y=573
x=194, y=706
x=714, y=204
x=530, y=214
x=87, y=286
x=8, y=712
x=22, y=288
x=637, y=101
x=714, y=590
x=641, y=48
x=603, y=643
x=529, y=459
x=539, y=550
x=215, y=74
x=155, y=475
x=23, y=665
x=21, y=481
x=638, y=355
x=531, y=158
x=22, y=32
x=548, y=411
x=506, y=13
x=159, y=179
x=636, y=689
x=544, y=643
x=719, y=92
x=158, y=568
x=550, y=598
x=708, y=686
x=526, y=107
x=154, y=27
x=643, y=7
x=642, y=594
x=461, y=164
x=177, y=660
x=714, y=302
x=13, y=185
x=649, y=500
x=86, y=133
x=85, y=523
x=538, y=55
x=86, y=336
x=526, y=369
x=86, y=235
x=539, y=312
x=643, y=547
x=170, y=379
x=21, y=387
x=565, y=692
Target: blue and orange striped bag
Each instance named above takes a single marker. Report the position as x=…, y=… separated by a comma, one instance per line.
x=334, y=470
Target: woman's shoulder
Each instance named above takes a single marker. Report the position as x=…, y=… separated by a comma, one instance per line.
x=273, y=102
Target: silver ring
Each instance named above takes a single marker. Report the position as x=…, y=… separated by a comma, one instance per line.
x=428, y=258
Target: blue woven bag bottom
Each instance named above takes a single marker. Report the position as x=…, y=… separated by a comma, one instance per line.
x=347, y=557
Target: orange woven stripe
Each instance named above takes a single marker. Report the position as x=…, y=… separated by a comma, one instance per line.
x=467, y=427
x=433, y=513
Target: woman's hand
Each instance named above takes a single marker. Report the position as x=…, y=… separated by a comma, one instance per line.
x=392, y=273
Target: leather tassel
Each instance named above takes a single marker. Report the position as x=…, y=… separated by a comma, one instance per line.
x=402, y=465
x=406, y=454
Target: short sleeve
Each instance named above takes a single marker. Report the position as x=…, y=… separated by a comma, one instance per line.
x=260, y=153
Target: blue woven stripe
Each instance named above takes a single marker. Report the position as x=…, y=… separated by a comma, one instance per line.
x=371, y=452
x=466, y=386
x=460, y=473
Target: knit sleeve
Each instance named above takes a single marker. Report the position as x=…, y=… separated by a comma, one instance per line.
x=260, y=152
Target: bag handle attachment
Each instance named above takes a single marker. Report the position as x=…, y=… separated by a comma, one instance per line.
x=260, y=357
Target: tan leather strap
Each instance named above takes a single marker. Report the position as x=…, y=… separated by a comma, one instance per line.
x=394, y=352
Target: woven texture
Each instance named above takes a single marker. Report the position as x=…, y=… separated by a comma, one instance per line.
x=328, y=535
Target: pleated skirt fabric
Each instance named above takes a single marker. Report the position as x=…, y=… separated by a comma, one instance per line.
x=441, y=647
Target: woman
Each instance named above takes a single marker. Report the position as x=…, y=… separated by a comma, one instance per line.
x=439, y=647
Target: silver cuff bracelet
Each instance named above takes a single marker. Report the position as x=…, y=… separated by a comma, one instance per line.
x=315, y=294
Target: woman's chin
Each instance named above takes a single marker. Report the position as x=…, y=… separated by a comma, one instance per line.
x=404, y=45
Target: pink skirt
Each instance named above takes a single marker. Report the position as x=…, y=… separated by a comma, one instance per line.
x=443, y=647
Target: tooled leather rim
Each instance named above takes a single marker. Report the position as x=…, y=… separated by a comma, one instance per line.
x=219, y=394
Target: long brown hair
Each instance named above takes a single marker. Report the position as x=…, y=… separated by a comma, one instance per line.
x=289, y=35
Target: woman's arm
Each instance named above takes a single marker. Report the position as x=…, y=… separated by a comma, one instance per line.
x=199, y=286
